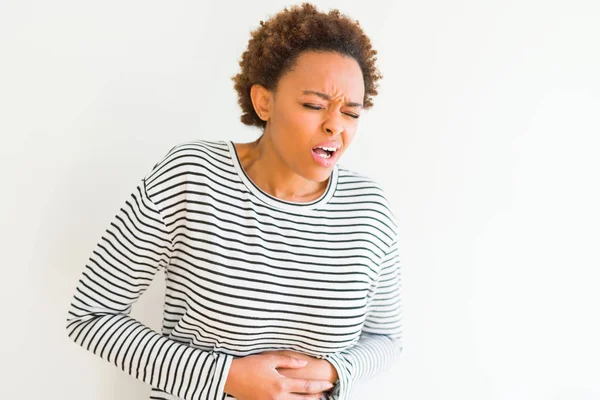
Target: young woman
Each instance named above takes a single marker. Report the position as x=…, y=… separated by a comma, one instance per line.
x=282, y=267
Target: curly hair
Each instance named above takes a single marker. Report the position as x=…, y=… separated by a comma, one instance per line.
x=274, y=47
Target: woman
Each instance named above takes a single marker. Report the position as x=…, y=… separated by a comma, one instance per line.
x=282, y=268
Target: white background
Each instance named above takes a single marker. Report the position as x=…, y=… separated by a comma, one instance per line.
x=485, y=134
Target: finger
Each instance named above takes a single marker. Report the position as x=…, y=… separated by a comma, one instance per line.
x=307, y=386
x=279, y=361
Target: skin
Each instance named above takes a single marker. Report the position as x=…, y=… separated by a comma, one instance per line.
x=315, y=369
x=281, y=164
x=280, y=161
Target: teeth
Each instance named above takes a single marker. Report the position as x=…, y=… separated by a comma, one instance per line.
x=328, y=148
x=324, y=155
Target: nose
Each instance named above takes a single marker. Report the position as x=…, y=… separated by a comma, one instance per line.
x=333, y=125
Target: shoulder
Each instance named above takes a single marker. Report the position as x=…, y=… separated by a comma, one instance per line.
x=188, y=157
x=205, y=149
x=368, y=193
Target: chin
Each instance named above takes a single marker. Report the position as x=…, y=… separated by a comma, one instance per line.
x=319, y=175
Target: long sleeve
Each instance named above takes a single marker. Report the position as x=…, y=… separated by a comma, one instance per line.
x=381, y=338
x=136, y=244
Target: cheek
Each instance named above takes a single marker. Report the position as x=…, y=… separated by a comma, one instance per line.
x=298, y=126
x=349, y=135
x=304, y=119
x=293, y=120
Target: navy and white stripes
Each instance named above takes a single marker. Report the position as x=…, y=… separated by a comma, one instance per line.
x=245, y=273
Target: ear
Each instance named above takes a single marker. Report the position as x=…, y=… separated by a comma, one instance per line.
x=261, y=100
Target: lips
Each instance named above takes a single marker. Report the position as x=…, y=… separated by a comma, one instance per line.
x=329, y=145
x=326, y=154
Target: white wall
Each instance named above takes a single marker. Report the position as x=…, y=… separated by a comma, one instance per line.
x=486, y=134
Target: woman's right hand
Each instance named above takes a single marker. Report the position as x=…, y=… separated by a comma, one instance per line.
x=256, y=377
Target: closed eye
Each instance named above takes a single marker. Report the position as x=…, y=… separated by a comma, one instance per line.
x=311, y=107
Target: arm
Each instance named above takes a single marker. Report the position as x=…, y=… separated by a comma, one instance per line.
x=381, y=338
x=135, y=245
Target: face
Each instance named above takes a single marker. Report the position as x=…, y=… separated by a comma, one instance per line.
x=315, y=110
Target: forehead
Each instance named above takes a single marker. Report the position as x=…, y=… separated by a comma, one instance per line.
x=326, y=72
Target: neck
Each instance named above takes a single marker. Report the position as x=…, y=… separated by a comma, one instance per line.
x=269, y=172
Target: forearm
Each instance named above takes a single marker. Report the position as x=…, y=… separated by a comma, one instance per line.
x=150, y=357
x=369, y=356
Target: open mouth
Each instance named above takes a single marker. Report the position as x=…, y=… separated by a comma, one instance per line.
x=324, y=152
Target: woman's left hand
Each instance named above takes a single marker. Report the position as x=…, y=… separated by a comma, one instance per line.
x=315, y=369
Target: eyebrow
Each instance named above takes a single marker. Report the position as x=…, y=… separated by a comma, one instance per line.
x=327, y=97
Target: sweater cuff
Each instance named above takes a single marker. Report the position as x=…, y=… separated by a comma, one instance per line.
x=226, y=362
x=343, y=386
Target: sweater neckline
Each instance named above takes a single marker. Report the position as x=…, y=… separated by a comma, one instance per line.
x=275, y=201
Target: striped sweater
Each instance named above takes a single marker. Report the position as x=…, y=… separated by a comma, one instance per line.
x=245, y=272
